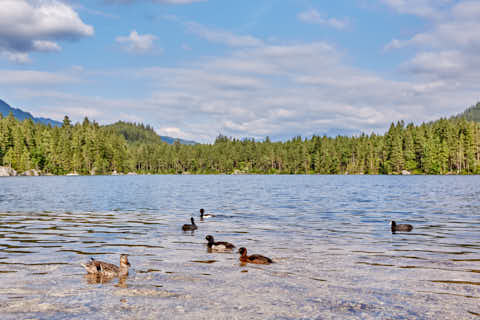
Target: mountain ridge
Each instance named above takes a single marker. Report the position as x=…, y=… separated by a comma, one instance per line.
x=472, y=113
x=148, y=132
x=135, y=132
x=19, y=114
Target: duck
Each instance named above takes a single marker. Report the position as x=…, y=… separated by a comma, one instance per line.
x=254, y=258
x=400, y=227
x=205, y=216
x=188, y=227
x=107, y=269
x=218, y=246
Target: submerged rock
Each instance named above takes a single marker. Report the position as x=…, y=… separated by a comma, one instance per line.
x=7, y=172
x=31, y=173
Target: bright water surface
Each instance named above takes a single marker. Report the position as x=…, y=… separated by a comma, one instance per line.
x=336, y=257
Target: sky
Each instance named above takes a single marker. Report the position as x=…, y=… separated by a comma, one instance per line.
x=194, y=69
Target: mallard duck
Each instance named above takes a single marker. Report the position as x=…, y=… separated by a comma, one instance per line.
x=254, y=258
x=187, y=227
x=218, y=246
x=205, y=216
x=108, y=269
x=401, y=227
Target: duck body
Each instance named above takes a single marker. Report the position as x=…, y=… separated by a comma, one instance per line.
x=254, y=258
x=108, y=269
x=204, y=215
x=190, y=227
x=401, y=227
x=219, y=245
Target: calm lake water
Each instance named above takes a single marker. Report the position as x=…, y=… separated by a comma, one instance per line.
x=329, y=235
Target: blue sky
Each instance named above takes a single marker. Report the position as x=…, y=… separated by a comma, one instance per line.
x=194, y=69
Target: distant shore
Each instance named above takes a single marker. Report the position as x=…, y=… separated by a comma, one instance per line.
x=9, y=172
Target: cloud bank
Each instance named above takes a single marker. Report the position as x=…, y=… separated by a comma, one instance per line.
x=156, y=1
x=448, y=49
x=37, y=26
x=314, y=17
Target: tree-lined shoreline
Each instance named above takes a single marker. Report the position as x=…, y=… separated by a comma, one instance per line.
x=446, y=146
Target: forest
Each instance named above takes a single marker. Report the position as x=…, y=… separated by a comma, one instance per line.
x=446, y=146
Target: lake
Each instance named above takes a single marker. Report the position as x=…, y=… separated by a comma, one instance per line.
x=329, y=236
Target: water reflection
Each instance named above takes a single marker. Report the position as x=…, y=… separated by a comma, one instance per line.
x=98, y=278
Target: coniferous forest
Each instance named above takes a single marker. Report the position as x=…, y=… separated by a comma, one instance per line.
x=446, y=146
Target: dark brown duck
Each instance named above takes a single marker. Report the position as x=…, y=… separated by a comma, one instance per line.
x=401, y=227
x=254, y=258
x=204, y=215
x=219, y=245
x=190, y=227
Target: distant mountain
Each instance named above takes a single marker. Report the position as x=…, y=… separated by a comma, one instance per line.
x=131, y=131
x=134, y=132
x=5, y=110
x=171, y=140
x=472, y=113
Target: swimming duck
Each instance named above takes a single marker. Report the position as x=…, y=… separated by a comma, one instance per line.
x=108, y=269
x=401, y=227
x=218, y=246
x=205, y=216
x=254, y=258
x=187, y=227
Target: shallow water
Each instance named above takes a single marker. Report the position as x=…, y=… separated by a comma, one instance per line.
x=329, y=235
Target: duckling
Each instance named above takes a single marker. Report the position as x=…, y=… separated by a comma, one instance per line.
x=254, y=258
x=218, y=246
x=108, y=269
x=205, y=216
x=401, y=227
x=188, y=227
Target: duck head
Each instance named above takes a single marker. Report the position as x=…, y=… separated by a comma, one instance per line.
x=242, y=251
x=209, y=238
x=124, y=260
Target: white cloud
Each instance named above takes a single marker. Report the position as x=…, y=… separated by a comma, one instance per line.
x=137, y=43
x=157, y=1
x=449, y=47
x=443, y=63
x=222, y=36
x=448, y=34
x=37, y=25
x=422, y=8
x=178, y=1
x=36, y=78
x=17, y=57
x=171, y=132
x=469, y=10
x=313, y=16
x=42, y=45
